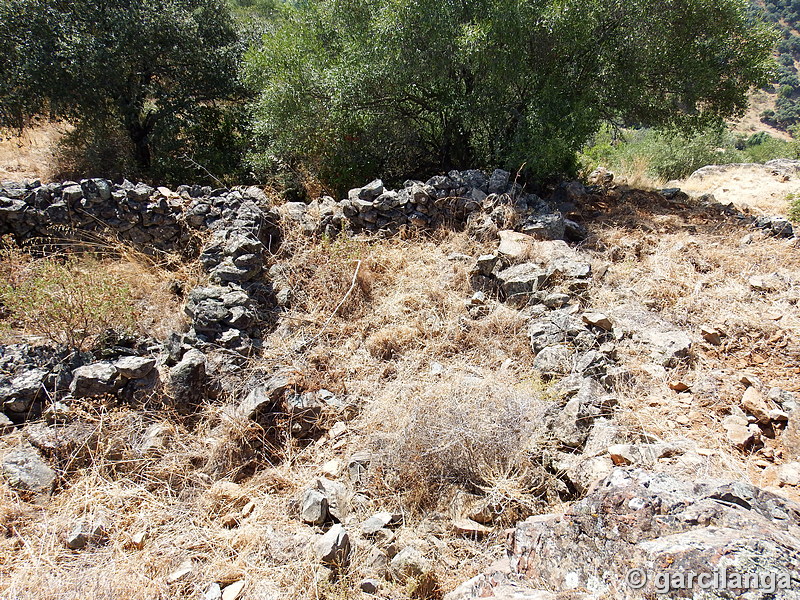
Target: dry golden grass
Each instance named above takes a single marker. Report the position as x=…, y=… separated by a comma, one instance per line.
x=751, y=123
x=690, y=267
x=154, y=285
x=444, y=401
x=753, y=188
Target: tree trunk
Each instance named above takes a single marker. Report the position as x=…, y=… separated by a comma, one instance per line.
x=139, y=127
x=140, y=138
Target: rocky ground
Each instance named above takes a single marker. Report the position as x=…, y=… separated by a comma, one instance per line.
x=454, y=388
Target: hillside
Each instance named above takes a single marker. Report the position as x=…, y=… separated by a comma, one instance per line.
x=786, y=87
x=357, y=398
x=342, y=300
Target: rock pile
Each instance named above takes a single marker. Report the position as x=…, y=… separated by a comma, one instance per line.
x=228, y=313
x=35, y=377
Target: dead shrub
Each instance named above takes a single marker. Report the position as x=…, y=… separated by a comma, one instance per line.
x=463, y=432
x=391, y=341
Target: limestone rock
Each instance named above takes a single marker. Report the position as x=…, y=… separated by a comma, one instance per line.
x=754, y=403
x=654, y=522
x=522, y=279
x=314, y=510
x=515, y=245
x=739, y=432
x=378, y=521
x=25, y=470
x=134, y=367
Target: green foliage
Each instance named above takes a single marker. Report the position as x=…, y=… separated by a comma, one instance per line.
x=70, y=301
x=158, y=70
x=355, y=88
x=794, y=206
x=668, y=154
x=785, y=15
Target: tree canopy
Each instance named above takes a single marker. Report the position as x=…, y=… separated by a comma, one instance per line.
x=155, y=68
x=352, y=88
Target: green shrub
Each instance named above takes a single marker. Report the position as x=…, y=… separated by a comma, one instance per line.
x=794, y=206
x=70, y=301
x=768, y=148
x=400, y=88
x=673, y=155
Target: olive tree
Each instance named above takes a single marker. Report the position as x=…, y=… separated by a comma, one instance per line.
x=354, y=88
x=155, y=68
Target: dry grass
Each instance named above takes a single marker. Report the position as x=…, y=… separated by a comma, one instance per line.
x=689, y=266
x=752, y=188
x=445, y=402
x=154, y=287
x=408, y=298
x=751, y=123
x=438, y=434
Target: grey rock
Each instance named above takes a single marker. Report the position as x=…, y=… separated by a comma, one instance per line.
x=410, y=564
x=265, y=399
x=387, y=201
x=521, y=279
x=634, y=519
x=333, y=548
x=369, y=586
x=485, y=264
x=94, y=380
x=314, y=510
x=560, y=327
x=777, y=226
x=545, y=227
x=669, y=348
x=213, y=592
x=188, y=383
x=76, y=540
x=134, y=367
x=574, y=231
x=25, y=470
x=336, y=495
x=71, y=194
x=371, y=191
x=498, y=182
x=379, y=521
x=6, y=424
x=554, y=360
x=25, y=388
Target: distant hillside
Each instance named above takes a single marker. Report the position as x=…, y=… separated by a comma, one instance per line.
x=786, y=16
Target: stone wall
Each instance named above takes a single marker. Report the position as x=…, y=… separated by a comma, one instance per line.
x=458, y=199
x=150, y=218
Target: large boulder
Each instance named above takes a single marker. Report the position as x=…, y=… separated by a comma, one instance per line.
x=640, y=535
